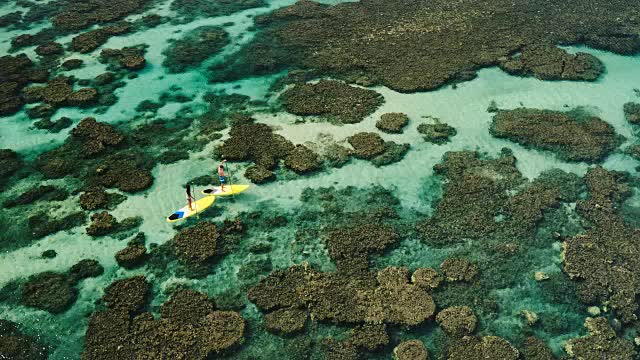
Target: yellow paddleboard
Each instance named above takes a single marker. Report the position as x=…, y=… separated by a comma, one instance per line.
x=228, y=190
x=196, y=208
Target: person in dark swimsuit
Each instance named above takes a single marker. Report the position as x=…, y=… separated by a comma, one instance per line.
x=221, y=175
x=189, y=197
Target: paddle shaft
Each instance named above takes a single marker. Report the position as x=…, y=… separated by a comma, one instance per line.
x=230, y=183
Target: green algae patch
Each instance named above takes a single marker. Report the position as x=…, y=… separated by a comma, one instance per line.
x=194, y=48
x=333, y=99
x=564, y=133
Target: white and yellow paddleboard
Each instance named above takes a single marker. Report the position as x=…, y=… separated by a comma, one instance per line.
x=196, y=208
x=228, y=190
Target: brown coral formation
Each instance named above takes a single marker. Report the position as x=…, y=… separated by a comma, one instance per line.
x=486, y=347
x=91, y=40
x=474, y=195
x=74, y=17
x=16, y=345
x=49, y=291
x=438, y=133
x=302, y=160
x=58, y=93
x=547, y=62
x=56, y=292
x=255, y=142
x=189, y=326
x=194, y=48
x=334, y=297
x=96, y=136
x=571, y=138
x=605, y=259
x=131, y=256
x=334, y=99
x=366, y=145
x=128, y=58
x=632, y=112
x=198, y=243
x=602, y=342
x=426, y=278
x=285, y=321
x=411, y=46
x=350, y=247
x=16, y=72
x=410, y=350
x=457, y=320
x=456, y=269
x=392, y=122
x=259, y=174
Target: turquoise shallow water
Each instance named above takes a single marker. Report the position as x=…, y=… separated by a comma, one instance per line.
x=411, y=181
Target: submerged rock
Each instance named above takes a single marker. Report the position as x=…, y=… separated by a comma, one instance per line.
x=563, y=133
x=334, y=99
x=392, y=122
x=547, y=62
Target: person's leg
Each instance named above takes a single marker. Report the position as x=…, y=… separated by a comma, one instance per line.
x=222, y=180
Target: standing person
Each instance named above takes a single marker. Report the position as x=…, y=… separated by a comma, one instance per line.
x=189, y=197
x=221, y=175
